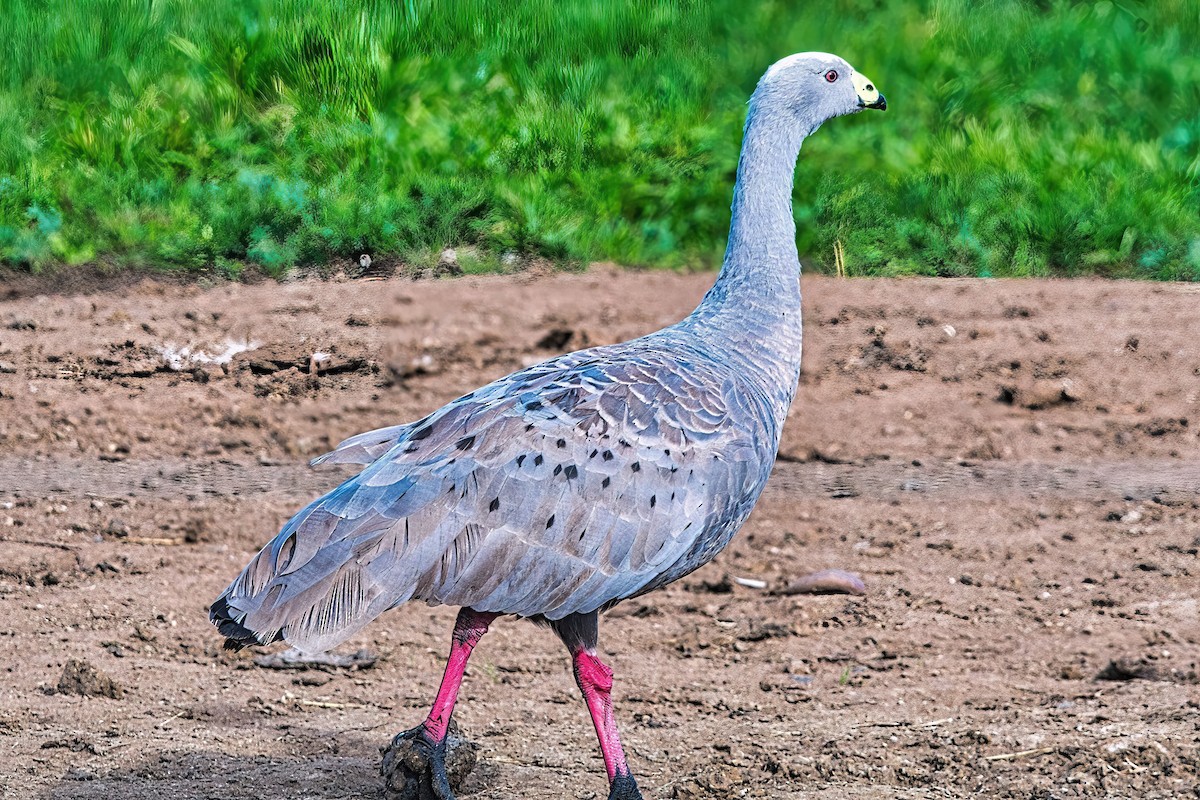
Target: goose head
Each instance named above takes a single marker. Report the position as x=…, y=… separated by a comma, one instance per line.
x=816, y=87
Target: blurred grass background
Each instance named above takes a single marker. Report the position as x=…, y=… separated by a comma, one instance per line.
x=1024, y=137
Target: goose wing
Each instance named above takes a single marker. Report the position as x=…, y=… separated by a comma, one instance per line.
x=556, y=490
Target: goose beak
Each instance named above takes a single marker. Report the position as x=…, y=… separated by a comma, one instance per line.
x=868, y=95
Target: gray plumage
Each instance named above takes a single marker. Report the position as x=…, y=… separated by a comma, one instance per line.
x=586, y=479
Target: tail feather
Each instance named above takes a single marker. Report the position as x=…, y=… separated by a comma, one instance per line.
x=236, y=634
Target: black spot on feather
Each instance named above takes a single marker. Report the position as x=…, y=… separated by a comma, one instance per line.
x=533, y=406
x=608, y=455
x=653, y=500
x=537, y=460
x=561, y=443
x=636, y=466
x=492, y=506
x=558, y=469
x=421, y=433
x=550, y=522
x=465, y=442
x=520, y=460
x=606, y=482
x=571, y=472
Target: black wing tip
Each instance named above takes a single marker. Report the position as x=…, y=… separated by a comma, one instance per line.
x=237, y=635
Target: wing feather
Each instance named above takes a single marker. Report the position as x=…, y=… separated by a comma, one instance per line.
x=556, y=490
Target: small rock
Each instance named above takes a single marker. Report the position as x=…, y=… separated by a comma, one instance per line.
x=447, y=263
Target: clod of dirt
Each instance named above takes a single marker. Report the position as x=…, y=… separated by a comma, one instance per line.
x=826, y=581
x=1038, y=395
x=198, y=529
x=723, y=586
x=716, y=781
x=1128, y=669
x=312, y=679
x=761, y=631
x=80, y=677
x=276, y=358
x=79, y=774
x=76, y=744
x=405, y=769
x=328, y=662
x=556, y=339
x=879, y=353
x=1163, y=426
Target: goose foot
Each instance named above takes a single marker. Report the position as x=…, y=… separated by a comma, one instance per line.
x=624, y=787
x=415, y=767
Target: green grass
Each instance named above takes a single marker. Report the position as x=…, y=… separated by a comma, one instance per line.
x=1023, y=138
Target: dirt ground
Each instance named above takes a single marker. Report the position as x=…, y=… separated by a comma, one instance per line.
x=1012, y=467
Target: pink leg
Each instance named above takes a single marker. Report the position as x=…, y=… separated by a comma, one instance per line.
x=469, y=628
x=595, y=680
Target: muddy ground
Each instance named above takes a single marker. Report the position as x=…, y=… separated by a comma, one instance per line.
x=1012, y=467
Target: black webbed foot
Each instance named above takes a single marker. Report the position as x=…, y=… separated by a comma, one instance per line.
x=417, y=768
x=624, y=787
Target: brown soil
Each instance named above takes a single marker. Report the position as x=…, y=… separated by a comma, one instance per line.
x=1012, y=468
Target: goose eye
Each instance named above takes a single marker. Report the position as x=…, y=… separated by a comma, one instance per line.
x=831, y=76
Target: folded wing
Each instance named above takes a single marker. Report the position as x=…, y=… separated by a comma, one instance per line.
x=557, y=490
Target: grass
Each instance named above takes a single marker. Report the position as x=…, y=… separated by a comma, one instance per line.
x=1023, y=137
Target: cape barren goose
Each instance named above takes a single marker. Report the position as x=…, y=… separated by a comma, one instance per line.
x=560, y=490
